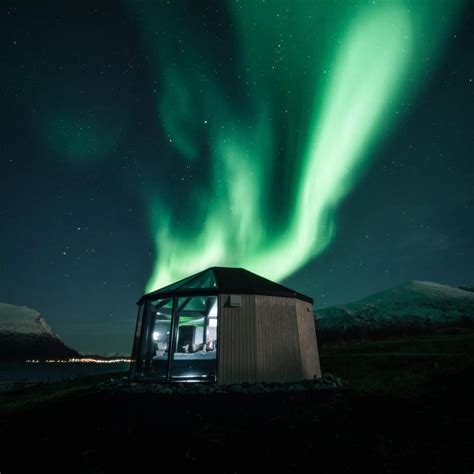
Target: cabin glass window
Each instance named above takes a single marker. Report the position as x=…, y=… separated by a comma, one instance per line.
x=178, y=339
x=195, y=347
x=156, y=339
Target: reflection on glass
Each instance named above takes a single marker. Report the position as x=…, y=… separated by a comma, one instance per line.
x=135, y=362
x=204, y=280
x=187, y=330
x=195, y=348
x=157, y=342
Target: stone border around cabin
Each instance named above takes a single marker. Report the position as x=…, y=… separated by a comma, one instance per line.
x=327, y=382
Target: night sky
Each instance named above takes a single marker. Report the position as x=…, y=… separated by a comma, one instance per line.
x=326, y=145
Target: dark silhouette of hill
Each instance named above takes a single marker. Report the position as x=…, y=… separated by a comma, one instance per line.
x=25, y=335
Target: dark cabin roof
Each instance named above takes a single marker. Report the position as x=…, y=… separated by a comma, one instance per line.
x=226, y=280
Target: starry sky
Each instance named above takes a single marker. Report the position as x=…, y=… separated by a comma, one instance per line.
x=327, y=145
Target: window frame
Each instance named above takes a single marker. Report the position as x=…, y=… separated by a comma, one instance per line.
x=140, y=352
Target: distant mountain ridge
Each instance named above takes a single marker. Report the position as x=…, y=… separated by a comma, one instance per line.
x=24, y=334
x=412, y=308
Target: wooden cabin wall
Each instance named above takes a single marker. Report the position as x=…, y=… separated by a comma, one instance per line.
x=266, y=339
x=236, y=341
x=278, y=351
x=307, y=340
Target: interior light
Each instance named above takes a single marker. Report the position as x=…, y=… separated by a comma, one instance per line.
x=156, y=335
x=213, y=311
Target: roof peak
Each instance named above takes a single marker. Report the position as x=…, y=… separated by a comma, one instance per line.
x=236, y=280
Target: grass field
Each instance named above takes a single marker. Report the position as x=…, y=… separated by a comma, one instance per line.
x=402, y=367
x=407, y=408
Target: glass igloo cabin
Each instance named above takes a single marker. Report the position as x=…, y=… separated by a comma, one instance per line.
x=225, y=325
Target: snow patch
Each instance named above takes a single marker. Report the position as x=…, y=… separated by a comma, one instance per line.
x=414, y=304
x=23, y=320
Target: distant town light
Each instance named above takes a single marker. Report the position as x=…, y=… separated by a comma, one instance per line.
x=85, y=360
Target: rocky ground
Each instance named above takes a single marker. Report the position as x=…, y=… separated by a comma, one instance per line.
x=122, y=384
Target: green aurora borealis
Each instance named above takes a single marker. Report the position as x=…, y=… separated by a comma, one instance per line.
x=325, y=144
x=279, y=139
x=321, y=84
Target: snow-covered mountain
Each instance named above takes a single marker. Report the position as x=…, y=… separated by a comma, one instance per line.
x=24, y=334
x=415, y=307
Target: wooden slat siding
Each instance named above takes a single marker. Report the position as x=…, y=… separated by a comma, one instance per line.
x=236, y=341
x=308, y=340
x=278, y=352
